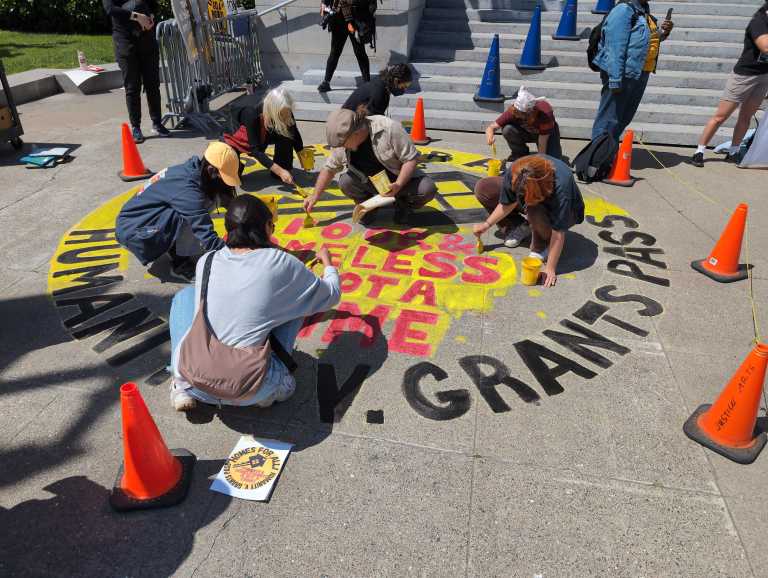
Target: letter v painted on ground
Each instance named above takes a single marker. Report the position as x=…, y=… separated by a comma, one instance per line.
x=334, y=402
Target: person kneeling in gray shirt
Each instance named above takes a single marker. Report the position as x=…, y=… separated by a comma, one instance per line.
x=254, y=289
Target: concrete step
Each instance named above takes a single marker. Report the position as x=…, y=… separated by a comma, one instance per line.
x=584, y=16
x=433, y=53
x=572, y=74
x=733, y=8
x=550, y=89
x=463, y=102
x=477, y=121
x=463, y=32
x=517, y=41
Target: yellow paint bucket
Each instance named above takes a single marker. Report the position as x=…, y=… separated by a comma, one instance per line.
x=494, y=167
x=307, y=158
x=271, y=202
x=531, y=269
x=381, y=182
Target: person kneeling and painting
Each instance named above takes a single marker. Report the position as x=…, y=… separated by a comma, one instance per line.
x=378, y=147
x=529, y=119
x=232, y=335
x=271, y=122
x=171, y=213
x=543, y=188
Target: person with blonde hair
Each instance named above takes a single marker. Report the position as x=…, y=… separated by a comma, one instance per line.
x=271, y=122
x=544, y=190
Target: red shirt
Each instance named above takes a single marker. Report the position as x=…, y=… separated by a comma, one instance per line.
x=540, y=120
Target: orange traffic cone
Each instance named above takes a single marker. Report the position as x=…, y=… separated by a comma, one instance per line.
x=619, y=174
x=723, y=262
x=418, y=130
x=133, y=166
x=728, y=426
x=151, y=475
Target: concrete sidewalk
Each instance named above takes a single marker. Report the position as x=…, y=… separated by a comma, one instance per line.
x=502, y=452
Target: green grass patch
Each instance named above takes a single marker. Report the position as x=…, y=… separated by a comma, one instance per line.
x=22, y=51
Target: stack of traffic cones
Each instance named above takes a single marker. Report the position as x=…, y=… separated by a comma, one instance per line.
x=133, y=166
x=151, y=475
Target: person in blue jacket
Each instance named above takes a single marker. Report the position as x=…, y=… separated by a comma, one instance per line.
x=627, y=55
x=171, y=213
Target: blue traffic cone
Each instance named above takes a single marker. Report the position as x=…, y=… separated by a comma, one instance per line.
x=490, y=87
x=603, y=6
x=531, y=57
x=566, y=30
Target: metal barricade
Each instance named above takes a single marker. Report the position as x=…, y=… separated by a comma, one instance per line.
x=218, y=56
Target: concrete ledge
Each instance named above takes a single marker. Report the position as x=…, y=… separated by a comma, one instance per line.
x=44, y=82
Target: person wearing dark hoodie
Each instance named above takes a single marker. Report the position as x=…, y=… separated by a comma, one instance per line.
x=374, y=95
x=171, y=213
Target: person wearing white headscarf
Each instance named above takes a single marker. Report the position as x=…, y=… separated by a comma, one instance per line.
x=530, y=119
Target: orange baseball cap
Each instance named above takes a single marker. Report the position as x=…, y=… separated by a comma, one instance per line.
x=225, y=158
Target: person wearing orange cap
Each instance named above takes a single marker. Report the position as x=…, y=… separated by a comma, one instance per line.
x=542, y=188
x=171, y=212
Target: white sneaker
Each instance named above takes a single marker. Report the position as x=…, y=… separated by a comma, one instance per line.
x=542, y=256
x=517, y=235
x=180, y=399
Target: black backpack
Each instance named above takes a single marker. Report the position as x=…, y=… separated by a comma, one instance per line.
x=596, y=35
x=594, y=161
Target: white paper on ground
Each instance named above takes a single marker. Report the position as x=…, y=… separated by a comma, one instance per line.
x=252, y=468
x=79, y=76
x=52, y=152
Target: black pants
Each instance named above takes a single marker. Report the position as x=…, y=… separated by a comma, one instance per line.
x=284, y=147
x=139, y=61
x=518, y=138
x=339, y=35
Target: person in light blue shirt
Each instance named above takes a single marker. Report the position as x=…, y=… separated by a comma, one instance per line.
x=254, y=289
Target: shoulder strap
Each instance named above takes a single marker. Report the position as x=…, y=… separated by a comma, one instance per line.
x=277, y=347
x=282, y=354
x=204, y=290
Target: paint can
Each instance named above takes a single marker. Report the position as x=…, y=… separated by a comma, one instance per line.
x=494, y=167
x=531, y=269
x=381, y=182
x=271, y=202
x=307, y=158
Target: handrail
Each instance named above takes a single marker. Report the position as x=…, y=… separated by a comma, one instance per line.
x=276, y=7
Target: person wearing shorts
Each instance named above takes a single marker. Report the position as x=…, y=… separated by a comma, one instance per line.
x=746, y=88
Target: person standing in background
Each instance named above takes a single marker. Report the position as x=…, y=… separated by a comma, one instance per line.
x=746, y=88
x=138, y=55
x=338, y=16
x=627, y=55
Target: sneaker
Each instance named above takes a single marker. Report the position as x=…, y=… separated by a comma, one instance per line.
x=180, y=399
x=324, y=87
x=733, y=159
x=138, y=136
x=159, y=130
x=698, y=160
x=183, y=268
x=542, y=255
x=517, y=235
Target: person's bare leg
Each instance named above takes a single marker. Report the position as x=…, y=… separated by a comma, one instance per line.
x=724, y=111
x=746, y=112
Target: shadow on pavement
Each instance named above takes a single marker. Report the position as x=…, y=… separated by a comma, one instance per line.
x=75, y=533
